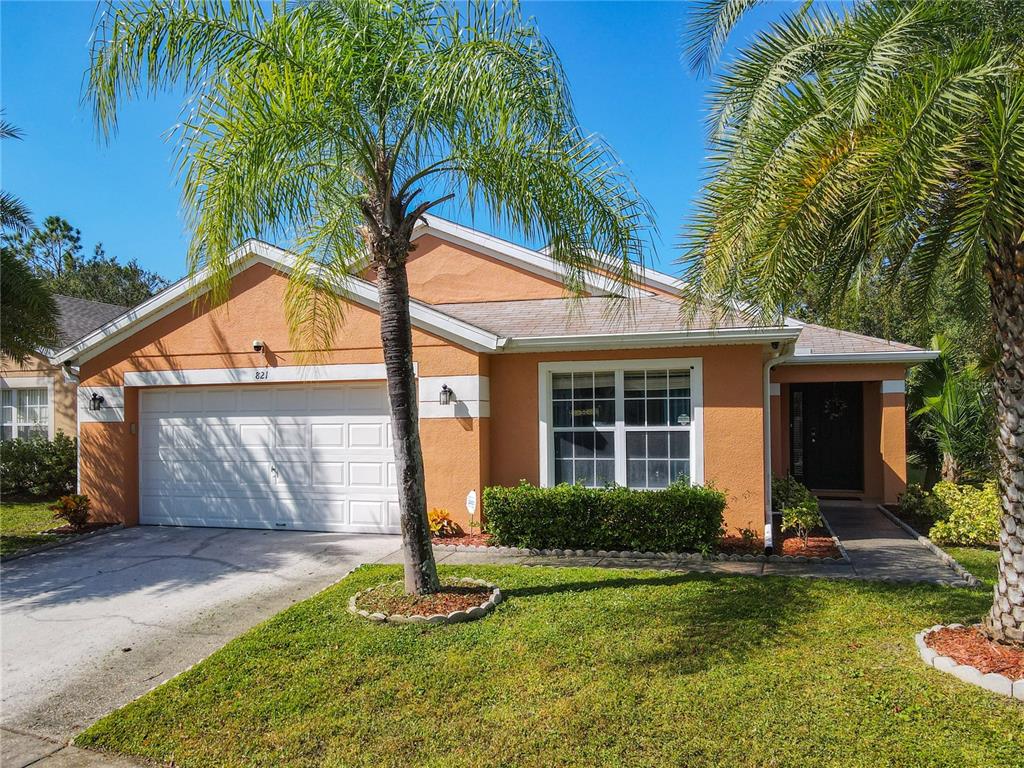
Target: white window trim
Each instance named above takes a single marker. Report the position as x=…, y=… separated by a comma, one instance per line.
x=35, y=382
x=547, y=438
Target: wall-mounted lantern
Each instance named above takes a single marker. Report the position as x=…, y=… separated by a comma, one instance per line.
x=446, y=396
x=95, y=402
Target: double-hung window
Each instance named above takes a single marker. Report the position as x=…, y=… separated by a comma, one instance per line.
x=632, y=423
x=24, y=413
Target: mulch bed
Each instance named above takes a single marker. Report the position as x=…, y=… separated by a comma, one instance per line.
x=392, y=599
x=819, y=544
x=66, y=530
x=466, y=540
x=966, y=645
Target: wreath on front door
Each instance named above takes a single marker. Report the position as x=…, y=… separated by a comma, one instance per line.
x=835, y=407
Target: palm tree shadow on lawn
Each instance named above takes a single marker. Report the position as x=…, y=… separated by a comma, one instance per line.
x=726, y=619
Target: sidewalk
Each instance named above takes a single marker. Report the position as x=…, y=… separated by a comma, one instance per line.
x=19, y=750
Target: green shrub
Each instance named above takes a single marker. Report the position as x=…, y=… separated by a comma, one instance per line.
x=968, y=516
x=73, y=509
x=799, y=507
x=679, y=518
x=37, y=467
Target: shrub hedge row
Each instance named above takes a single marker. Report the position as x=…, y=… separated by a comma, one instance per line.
x=37, y=467
x=679, y=518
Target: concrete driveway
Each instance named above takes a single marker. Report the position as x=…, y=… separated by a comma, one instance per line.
x=88, y=627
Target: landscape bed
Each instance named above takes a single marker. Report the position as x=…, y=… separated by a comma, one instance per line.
x=585, y=666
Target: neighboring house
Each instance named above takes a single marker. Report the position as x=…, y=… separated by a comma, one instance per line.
x=209, y=417
x=37, y=397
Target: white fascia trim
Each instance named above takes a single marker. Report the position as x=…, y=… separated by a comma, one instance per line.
x=537, y=262
x=653, y=339
x=184, y=291
x=285, y=374
x=545, y=418
x=25, y=382
x=901, y=356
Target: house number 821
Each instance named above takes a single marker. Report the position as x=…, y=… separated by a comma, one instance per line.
x=262, y=375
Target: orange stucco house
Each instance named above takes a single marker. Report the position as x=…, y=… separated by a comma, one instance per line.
x=192, y=415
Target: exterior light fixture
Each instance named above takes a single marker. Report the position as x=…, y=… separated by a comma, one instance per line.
x=95, y=402
x=447, y=395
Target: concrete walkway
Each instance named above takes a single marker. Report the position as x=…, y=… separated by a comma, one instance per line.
x=879, y=549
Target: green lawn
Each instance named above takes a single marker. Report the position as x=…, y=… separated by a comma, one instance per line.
x=587, y=667
x=21, y=523
x=979, y=561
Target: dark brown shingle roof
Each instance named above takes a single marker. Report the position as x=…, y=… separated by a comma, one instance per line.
x=80, y=316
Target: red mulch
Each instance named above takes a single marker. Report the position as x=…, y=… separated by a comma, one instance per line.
x=819, y=544
x=392, y=599
x=465, y=540
x=87, y=528
x=966, y=645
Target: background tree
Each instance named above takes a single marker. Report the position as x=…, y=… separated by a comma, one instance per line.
x=886, y=137
x=103, y=278
x=54, y=252
x=339, y=124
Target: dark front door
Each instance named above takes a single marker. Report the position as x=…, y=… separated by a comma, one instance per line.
x=827, y=435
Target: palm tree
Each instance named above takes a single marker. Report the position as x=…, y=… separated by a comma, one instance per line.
x=948, y=401
x=339, y=124
x=14, y=215
x=887, y=136
x=28, y=313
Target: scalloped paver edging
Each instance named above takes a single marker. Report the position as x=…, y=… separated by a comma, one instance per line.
x=990, y=681
x=455, y=617
x=71, y=539
x=934, y=548
x=637, y=555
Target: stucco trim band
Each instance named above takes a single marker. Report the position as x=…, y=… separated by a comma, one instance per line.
x=285, y=374
x=112, y=409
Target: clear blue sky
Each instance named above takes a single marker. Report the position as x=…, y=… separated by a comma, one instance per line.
x=623, y=59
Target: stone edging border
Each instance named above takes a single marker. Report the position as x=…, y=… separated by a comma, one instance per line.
x=991, y=681
x=934, y=548
x=61, y=542
x=455, y=617
x=695, y=557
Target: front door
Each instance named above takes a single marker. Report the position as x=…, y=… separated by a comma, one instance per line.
x=827, y=435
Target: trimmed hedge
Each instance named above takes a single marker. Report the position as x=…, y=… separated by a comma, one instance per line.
x=37, y=467
x=680, y=518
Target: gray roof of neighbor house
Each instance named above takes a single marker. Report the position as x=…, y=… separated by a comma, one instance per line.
x=80, y=316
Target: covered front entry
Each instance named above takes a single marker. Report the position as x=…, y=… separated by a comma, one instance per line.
x=841, y=429
x=826, y=423
x=309, y=457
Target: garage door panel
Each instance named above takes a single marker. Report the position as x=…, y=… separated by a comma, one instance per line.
x=314, y=457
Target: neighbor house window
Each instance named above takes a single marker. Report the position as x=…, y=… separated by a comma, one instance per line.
x=25, y=413
x=624, y=423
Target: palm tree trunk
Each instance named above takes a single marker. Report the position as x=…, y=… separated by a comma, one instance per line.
x=396, y=338
x=1005, y=621
x=950, y=468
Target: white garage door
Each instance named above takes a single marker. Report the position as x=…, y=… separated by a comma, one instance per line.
x=310, y=457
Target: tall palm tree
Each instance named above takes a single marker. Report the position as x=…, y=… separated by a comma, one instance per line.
x=338, y=124
x=888, y=135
